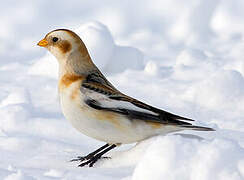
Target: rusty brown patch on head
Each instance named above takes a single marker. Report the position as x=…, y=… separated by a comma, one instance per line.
x=64, y=46
x=154, y=125
x=68, y=79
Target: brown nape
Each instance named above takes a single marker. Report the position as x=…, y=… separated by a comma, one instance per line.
x=82, y=47
x=64, y=46
x=83, y=50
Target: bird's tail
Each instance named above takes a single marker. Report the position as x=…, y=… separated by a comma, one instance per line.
x=197, y=128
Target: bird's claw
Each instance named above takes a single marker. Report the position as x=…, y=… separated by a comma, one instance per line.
x=79, y=158
x=90, y=160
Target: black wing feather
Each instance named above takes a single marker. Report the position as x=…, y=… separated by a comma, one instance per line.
x=142, y=105
x=133, y=114
x=98, y=83
x=94, y=79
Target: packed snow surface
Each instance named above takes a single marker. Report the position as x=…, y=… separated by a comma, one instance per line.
x=186, y=57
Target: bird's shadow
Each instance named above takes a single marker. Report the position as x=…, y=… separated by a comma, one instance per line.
x=190, y=136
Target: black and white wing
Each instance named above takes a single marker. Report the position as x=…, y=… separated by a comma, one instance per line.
x=105, y=97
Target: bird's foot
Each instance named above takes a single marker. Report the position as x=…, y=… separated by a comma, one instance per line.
x=79, y=158
x=92, y=158
x=82, y=158
x=90, y=162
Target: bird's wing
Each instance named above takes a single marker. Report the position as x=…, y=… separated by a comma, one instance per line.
x=102, y=96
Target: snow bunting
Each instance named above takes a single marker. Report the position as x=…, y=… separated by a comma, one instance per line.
x=96, y=108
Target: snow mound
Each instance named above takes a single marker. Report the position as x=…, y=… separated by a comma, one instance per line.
x=45, y=66
x=174, y=157
x=221, y=90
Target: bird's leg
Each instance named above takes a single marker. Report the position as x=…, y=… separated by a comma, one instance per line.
x=94, y=159
x=89, y=156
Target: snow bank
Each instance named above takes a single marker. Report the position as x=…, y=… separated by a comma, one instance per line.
x=45, y=66
x=221, y=90
x=174, y=157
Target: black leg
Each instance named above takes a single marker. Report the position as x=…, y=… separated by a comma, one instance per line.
x=89, y=156
x=94, y=159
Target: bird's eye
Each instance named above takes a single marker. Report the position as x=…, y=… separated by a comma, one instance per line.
x=55, y=39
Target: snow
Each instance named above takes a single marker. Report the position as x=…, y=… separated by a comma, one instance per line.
x=184, y=57
x=194, y=159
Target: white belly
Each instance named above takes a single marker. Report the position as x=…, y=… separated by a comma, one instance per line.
x=108, y=127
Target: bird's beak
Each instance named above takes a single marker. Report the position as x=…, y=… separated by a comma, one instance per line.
x=43, y=43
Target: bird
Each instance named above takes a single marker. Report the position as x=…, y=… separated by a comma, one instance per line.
x=96, y=108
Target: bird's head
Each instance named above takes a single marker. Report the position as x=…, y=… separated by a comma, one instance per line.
x=68, y=48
